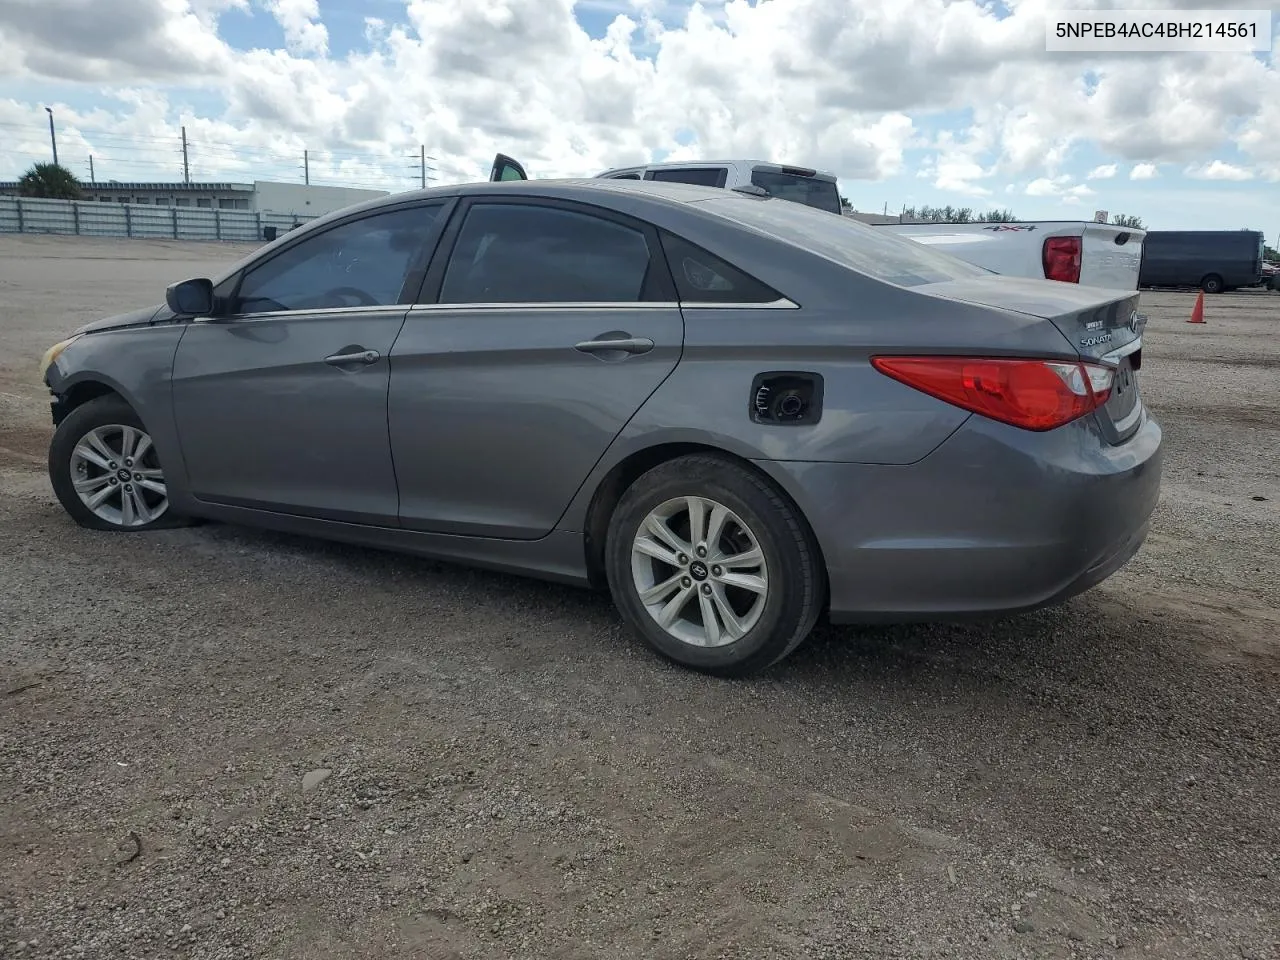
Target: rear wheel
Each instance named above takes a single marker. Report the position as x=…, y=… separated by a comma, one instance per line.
x=105, y=470
x=712, y=567
x=1211, y=284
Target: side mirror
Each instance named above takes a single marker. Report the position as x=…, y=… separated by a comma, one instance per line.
x=190, y=298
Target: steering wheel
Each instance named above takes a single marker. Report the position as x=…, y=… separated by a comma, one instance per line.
x=363, y=299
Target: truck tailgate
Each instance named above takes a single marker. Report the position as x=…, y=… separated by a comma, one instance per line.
x=1111, y=257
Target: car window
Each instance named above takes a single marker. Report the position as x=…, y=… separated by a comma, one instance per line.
x=526, y=253
x=813, y=191
x=699, y=176
x=702, y=277
x=625, y=176
x=360, y=263
x=873, y=252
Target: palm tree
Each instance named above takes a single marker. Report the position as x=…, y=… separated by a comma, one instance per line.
x=51, y=181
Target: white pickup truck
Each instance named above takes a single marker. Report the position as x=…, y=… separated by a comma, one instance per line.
x=1072, y=251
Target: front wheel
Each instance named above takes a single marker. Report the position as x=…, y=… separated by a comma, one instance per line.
x=105, y=470
x=712, y=567
x=1212, y=284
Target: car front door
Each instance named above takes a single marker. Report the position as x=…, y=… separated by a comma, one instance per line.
x=281, y=399
x=552, y=324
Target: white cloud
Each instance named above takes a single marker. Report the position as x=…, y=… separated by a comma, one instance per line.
x=850, y=85
x=303, y=33
x=1144, y=171
x=1059, y=186
x=1218, y=170
x=1046, y=187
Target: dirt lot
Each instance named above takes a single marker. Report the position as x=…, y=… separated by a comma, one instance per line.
x=219, y=743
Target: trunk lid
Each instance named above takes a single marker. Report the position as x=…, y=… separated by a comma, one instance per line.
x=1103, y=326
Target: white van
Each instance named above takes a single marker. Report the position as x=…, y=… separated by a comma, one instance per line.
x=815, y=188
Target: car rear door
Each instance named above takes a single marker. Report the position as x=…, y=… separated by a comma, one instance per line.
x=544, y=326
x=281, y=401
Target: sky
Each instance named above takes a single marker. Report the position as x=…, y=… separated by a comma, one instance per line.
x=910, y=103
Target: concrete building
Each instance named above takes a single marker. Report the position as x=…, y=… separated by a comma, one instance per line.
x=303, y=201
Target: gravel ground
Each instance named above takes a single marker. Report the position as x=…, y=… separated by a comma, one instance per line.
x=221, y=743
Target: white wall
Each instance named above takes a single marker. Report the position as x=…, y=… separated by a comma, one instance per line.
x=299, y=199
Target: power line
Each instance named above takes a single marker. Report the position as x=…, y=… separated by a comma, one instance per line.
x=391, y=167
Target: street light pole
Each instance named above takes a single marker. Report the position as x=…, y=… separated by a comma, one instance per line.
x=53, y=137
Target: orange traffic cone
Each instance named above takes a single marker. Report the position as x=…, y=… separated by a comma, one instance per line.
x=1197, y=312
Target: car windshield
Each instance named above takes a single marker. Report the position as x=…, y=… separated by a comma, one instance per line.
x=811, y=191
x=876, y=253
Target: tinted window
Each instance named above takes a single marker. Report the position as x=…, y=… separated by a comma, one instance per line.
x=517, y=253
x=704, y=177
x=844, y=240
x=360, y=263
x=625, y=176
x=811, y=191
x=702, y=277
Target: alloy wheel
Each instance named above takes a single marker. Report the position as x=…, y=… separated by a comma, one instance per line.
x=699, y=571
x=116, y=474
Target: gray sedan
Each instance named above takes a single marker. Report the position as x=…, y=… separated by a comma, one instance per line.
x=735, y=413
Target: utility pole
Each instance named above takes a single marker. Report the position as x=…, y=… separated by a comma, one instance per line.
x=92, y=178
x=186, y=166
x=306, y=167
x=53, y=137
x=422, y=165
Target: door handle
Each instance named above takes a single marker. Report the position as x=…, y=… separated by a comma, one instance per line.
x=631, y=345
x=358, y=356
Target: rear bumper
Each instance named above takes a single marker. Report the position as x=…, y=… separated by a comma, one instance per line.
x=996, y=520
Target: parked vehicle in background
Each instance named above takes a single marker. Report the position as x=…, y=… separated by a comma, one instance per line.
x=1083, y=252
x=1213, y=260
x=731, y=411
x=1271, y=275
x=813, y=188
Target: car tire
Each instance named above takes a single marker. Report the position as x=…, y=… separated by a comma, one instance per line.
x=96, y=477
x=761, y=611
x=1212, y=284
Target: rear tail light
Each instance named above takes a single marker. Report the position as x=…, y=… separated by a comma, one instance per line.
x=1062, y=259
x=1031, y=394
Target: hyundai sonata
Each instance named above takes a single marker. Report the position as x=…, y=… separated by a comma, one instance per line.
x=735, y=413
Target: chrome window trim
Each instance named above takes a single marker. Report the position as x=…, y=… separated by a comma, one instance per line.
x=781, y=304
x=548, y=306
x=309, y=312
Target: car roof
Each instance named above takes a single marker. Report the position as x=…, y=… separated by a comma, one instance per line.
x=587, y=190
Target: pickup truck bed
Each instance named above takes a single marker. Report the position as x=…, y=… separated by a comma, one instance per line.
x=1072, y=251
